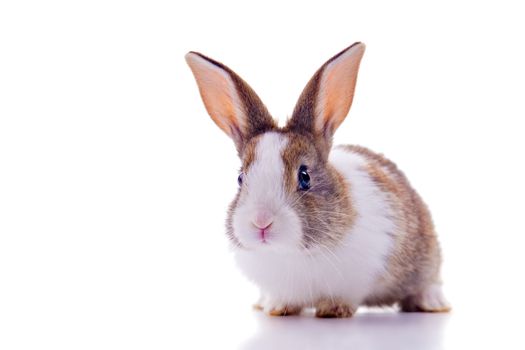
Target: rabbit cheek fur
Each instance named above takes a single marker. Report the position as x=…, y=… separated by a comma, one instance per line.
x=357, y=235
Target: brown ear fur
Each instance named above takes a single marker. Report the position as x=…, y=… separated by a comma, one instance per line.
x=229, y=100
x=327, y=98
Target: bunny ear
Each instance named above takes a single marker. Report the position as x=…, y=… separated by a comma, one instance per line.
x=230, y=102
x=326, y=99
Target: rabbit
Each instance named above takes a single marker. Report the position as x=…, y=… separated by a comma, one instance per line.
x=315, y=226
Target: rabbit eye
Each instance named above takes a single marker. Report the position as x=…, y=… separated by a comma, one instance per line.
x=239, y=179
x=304, y=178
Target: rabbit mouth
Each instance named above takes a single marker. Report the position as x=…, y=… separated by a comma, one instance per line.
x=265, y=235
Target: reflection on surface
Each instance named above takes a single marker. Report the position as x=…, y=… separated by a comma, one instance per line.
x=366, y=330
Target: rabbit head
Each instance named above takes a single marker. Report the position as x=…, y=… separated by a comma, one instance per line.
x=289, y=198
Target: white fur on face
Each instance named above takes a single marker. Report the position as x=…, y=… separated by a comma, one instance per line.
x=263, y=191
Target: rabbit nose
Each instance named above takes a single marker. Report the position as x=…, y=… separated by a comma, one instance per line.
x=263, y=219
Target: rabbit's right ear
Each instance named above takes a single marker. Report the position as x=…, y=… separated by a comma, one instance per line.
x=326, y=99
x=230, y=102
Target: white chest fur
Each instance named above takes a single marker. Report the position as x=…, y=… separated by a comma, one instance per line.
x=347, y=271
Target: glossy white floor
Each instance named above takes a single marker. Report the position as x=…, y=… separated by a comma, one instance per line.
x=368, y=329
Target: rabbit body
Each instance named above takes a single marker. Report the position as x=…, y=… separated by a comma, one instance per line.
x=388, y=255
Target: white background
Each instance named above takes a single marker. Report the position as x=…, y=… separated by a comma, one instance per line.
x=114, y=181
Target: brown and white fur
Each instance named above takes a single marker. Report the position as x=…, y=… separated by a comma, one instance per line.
x=359, y=235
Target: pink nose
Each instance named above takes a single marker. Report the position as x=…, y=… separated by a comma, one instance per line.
x=263, y=219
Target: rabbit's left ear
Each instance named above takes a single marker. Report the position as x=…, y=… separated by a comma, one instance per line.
x=229, y=100
x=326, y=99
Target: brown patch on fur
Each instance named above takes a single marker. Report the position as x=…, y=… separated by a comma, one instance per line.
x=381, y=178
x=415, y=259
x=412, y=304
x=325, y=209
x=229, y=221
x=249, y=152
x=333, y=308
x=288, y=310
